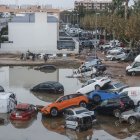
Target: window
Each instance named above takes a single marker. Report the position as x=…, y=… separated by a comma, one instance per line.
x=104, y=103
x=63, y=98
x=70, y=112
x=125, y=93
x=137, y=64
x=90, y=82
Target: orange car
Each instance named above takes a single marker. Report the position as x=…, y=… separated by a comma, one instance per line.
x=64, y=102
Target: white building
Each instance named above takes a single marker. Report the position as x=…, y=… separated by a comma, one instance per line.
x=92, y=4
x=35, y=32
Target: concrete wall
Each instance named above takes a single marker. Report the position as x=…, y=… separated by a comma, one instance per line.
x=36, y=37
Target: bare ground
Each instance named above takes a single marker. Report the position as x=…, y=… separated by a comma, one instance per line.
x=116, y=69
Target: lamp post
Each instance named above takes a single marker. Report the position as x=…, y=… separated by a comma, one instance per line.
x=96, y=31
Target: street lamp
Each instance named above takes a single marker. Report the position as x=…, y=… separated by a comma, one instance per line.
x=96, y=31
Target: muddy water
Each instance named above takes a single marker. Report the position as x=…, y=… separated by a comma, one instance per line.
x=20, y=79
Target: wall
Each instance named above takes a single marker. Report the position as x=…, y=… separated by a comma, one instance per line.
x=36, y=37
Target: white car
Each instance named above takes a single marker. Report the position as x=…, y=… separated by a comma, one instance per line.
x=93, y=84
x=79, y=118
x=116, y=50
x=115, y=56
x=133, y=93
x=84, y=72
x=78, y=111
x=105, y=46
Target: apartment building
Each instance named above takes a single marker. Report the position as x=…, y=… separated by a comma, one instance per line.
x=93, y=4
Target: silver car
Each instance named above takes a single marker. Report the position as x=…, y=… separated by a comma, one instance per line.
x=131, y=116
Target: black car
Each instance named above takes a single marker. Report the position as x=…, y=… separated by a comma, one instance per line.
x=49, y=87
x=46, y=68
x=1, y=89
x=115, y=106
x=100, y=67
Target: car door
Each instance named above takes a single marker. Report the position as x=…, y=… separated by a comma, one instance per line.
x=63, y=102
x=90, y=86
x=46, y=88
x=101, y=109
x=71, y=122
x=109, y=107
x=136, y=68
x=74, y=99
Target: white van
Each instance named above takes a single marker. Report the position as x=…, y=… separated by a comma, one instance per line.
x=8, y=102
x=134, y=68
x=133, y=93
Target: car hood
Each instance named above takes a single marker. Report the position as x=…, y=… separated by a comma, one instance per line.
x=108, y=56
x=128, y=112
x=128, y=67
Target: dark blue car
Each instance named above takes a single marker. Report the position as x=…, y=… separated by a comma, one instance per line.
x=100, y=95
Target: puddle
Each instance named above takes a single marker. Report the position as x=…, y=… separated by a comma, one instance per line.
x=21, y=79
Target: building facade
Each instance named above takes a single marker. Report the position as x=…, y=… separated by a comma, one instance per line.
x=35, y=32
x=93, y=4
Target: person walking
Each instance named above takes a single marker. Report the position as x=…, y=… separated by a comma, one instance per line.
x=45, y=58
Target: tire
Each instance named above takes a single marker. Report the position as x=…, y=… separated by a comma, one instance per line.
x=132, y=120
x=131, y=103
x=83, y=104
x=97, y=87
x=78, y=129
x=113, y=59
x=138, y=104
x=96, y=98
x=133, y=73
x=54, y=112
x=117, y=113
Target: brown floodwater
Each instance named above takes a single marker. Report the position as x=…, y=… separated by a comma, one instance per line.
x=21, y=79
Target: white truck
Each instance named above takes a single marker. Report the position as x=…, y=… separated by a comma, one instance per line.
x=134, y=68
x=8, y=102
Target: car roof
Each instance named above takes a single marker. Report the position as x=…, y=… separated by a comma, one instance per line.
x=50, y=82
x=76, y=108
x=22, y=106
x=131, y=88
x=102, y=91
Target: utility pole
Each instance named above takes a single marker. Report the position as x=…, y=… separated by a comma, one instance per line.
x=96, y=31
x=126, y=9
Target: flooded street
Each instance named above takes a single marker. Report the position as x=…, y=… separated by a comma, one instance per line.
x=21, y=79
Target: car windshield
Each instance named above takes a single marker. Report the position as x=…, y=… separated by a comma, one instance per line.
x=57, y=85
x=81, y=111
x=137, y=109
x=118, y=85
x=104, y=103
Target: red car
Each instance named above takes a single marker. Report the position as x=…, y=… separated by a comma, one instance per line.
x=23, y=112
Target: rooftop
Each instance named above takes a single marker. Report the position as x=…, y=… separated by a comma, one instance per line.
x=30, y=18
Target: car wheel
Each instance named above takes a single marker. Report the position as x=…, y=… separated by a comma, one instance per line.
x=78, y=129
x=97, y=87
x=138, y=103
x=133, y=73
x=117, y=113
x=83, y=104
x=113, y=59
x=96, y=98
x=131, y=103
x=132, y=120
x=54, y=112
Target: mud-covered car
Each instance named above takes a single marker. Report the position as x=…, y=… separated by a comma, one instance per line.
x=115, y=106
x=131, y=116
x=49, y=87
x=23, y=112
